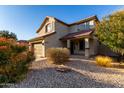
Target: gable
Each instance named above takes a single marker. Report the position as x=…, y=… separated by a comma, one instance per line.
x=46, y=21
x=74, y=25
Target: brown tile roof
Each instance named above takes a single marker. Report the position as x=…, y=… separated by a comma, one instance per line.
x=77, y=34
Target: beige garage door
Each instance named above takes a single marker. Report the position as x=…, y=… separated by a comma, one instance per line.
x=38, y=50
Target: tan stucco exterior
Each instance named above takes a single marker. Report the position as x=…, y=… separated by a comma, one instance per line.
x=61, y=30
x=43, y=29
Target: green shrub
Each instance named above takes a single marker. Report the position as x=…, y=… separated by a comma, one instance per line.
x=4, y=58
x=14, y=72
x=18, y=49
x=104, y=61
x=4, y=55
x=16, y=68
x=30, y=56
x=3, y=79
x=14, y=60
x=3, y=42
x=58, y=55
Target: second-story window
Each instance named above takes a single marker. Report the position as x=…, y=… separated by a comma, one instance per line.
x=91, y=24
x=49, y=27
x=87, y=25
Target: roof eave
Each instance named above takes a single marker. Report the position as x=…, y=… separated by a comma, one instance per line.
x=42, y=24
x=85, y=20
x=35, y=39
x=75, y=37
x=85, y=36
x=41, y=37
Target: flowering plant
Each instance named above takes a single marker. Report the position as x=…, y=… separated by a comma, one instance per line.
x=3, y=47
x=2, y=39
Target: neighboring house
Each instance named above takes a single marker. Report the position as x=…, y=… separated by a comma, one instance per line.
x=78, y=37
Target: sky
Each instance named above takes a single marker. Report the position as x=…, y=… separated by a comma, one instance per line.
x=25, y=20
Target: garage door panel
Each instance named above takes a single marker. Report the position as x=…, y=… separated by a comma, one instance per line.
x=38, y=50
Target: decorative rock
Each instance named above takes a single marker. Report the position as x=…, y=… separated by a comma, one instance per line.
x=83, y=74
x=62, y=69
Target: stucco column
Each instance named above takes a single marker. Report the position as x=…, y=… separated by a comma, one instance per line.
x=43, y=49
x=68, y=44
x=87, y=48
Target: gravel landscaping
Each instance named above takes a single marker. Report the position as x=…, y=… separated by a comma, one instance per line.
x=83, y=74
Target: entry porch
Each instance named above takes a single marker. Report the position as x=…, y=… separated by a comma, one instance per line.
x=80, y=43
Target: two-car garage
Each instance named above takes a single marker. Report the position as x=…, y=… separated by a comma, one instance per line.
x=39, y=45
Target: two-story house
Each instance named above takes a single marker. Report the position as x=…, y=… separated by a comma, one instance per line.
x=77, y=37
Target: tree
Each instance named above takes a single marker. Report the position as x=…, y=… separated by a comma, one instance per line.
x=110, y=31
x=8, y=34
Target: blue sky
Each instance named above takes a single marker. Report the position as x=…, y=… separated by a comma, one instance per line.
x=25, y=20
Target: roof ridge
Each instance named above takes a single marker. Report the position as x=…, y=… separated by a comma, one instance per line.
x=84, y=19
x=90, y=17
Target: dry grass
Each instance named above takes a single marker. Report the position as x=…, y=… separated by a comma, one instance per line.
x=57, y=55
x=104, y=61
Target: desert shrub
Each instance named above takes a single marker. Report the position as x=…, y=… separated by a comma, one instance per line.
x=14, y=60
x=103, y=61
x=5, y=53
x=18, y=48
x=16, y=67
x=3, y=42
x=12, y=42
x=20, y=57
x=58, y=55
x=30, y=56
x=4, y=58
x=3, y=79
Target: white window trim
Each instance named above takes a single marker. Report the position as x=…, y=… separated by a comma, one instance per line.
x=51, y=29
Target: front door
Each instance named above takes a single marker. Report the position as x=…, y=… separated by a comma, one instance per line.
x=77, y=46
x=81, y=45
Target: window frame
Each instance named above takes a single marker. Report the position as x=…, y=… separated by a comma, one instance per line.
x=49, y=24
